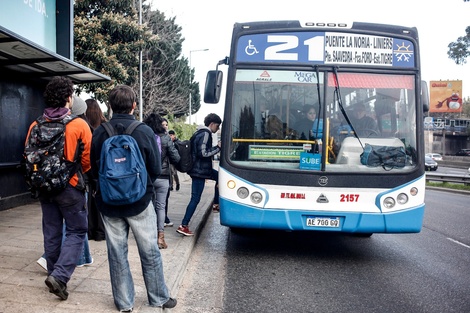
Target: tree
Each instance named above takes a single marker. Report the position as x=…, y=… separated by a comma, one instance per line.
x=169, y=80
x=459, y=50
x=165, y=81
x=108, y=39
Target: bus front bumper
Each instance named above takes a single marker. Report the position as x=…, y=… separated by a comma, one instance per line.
x=240, y=216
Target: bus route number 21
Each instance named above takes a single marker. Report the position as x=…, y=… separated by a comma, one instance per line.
x=350, y=197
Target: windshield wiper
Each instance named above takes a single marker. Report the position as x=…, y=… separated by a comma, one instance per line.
x=340, y=103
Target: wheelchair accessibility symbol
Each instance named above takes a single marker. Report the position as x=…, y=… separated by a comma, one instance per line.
x=250, y=49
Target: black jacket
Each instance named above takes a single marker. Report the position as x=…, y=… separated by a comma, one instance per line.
x=145, y=138
x=169, y=155
x=202, y=152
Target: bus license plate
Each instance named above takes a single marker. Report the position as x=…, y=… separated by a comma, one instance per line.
x=323, y=222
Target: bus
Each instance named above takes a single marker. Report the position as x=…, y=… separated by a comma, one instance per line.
x=333, y=175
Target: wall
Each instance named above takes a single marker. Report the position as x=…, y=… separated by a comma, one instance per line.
x=21, y=102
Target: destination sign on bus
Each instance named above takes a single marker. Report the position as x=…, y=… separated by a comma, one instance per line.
x=274, y=153
x=301, y=77
x=326, y=48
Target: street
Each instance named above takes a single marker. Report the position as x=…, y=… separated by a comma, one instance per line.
x=269, y=271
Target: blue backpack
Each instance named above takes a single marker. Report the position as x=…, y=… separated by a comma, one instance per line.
x=122, y=173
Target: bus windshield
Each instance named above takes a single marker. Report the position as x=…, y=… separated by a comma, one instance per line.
x=278, y=116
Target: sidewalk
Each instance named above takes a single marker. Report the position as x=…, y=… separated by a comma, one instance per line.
x=22, y=287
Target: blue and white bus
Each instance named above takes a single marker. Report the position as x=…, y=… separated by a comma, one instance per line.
x=276, y=174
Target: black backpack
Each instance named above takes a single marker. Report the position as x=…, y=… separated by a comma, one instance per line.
x=186, y=158
x=46, y=170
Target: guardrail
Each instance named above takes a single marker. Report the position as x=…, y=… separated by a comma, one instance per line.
x=448, y=178
x=455, y=162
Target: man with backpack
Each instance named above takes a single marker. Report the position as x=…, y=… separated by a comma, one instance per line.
x=202, y=154
x=131, y=145
x=57, y=152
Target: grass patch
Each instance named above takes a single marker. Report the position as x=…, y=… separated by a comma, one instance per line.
x=448, y=185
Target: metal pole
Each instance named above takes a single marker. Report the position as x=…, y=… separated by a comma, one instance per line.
x=190, y=82
x=141, y=105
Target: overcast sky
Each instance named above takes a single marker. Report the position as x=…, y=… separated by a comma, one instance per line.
x=208, y=24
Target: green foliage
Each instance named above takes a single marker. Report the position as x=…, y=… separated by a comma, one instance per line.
x=166, y=81
x=466, y=107
x=459, y=50
x=108, y=39
x=448, y=185
x=184, y=131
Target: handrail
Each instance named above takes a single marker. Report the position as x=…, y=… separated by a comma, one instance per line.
x=448, y=178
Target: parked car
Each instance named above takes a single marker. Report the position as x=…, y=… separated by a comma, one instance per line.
x=430, y=164
x=434, y=156
x=463, y=152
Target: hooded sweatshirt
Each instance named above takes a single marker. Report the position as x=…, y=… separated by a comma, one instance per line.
x=75, y=130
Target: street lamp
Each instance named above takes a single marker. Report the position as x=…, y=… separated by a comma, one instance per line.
x=190, y=82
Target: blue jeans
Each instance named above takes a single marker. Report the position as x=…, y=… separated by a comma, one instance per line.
x=69, y=207
x=160, y=187
x=85, y=256
x=145, y=233
x=197, y=187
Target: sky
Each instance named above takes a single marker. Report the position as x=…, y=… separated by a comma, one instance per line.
x=208, y=24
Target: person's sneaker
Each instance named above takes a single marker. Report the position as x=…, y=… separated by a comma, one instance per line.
x=86, y=264
x=170, y=304
x=57, y=287
x=127, y=310
x=42, y=263
x=177, y=187
x=169, y=224
x=184, y=230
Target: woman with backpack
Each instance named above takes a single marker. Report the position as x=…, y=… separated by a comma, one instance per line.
x=169, y=154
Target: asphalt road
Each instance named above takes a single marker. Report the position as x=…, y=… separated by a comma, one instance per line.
x=272, y=271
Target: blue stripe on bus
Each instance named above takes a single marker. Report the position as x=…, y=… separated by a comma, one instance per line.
x=233, y=214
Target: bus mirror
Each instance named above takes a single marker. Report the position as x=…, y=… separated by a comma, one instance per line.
x=424, y=96
x=213, y=86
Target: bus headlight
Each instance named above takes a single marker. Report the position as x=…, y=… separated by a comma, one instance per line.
x=402, y=198
x=389, y=202
x=242, y=192
x=256, y=197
